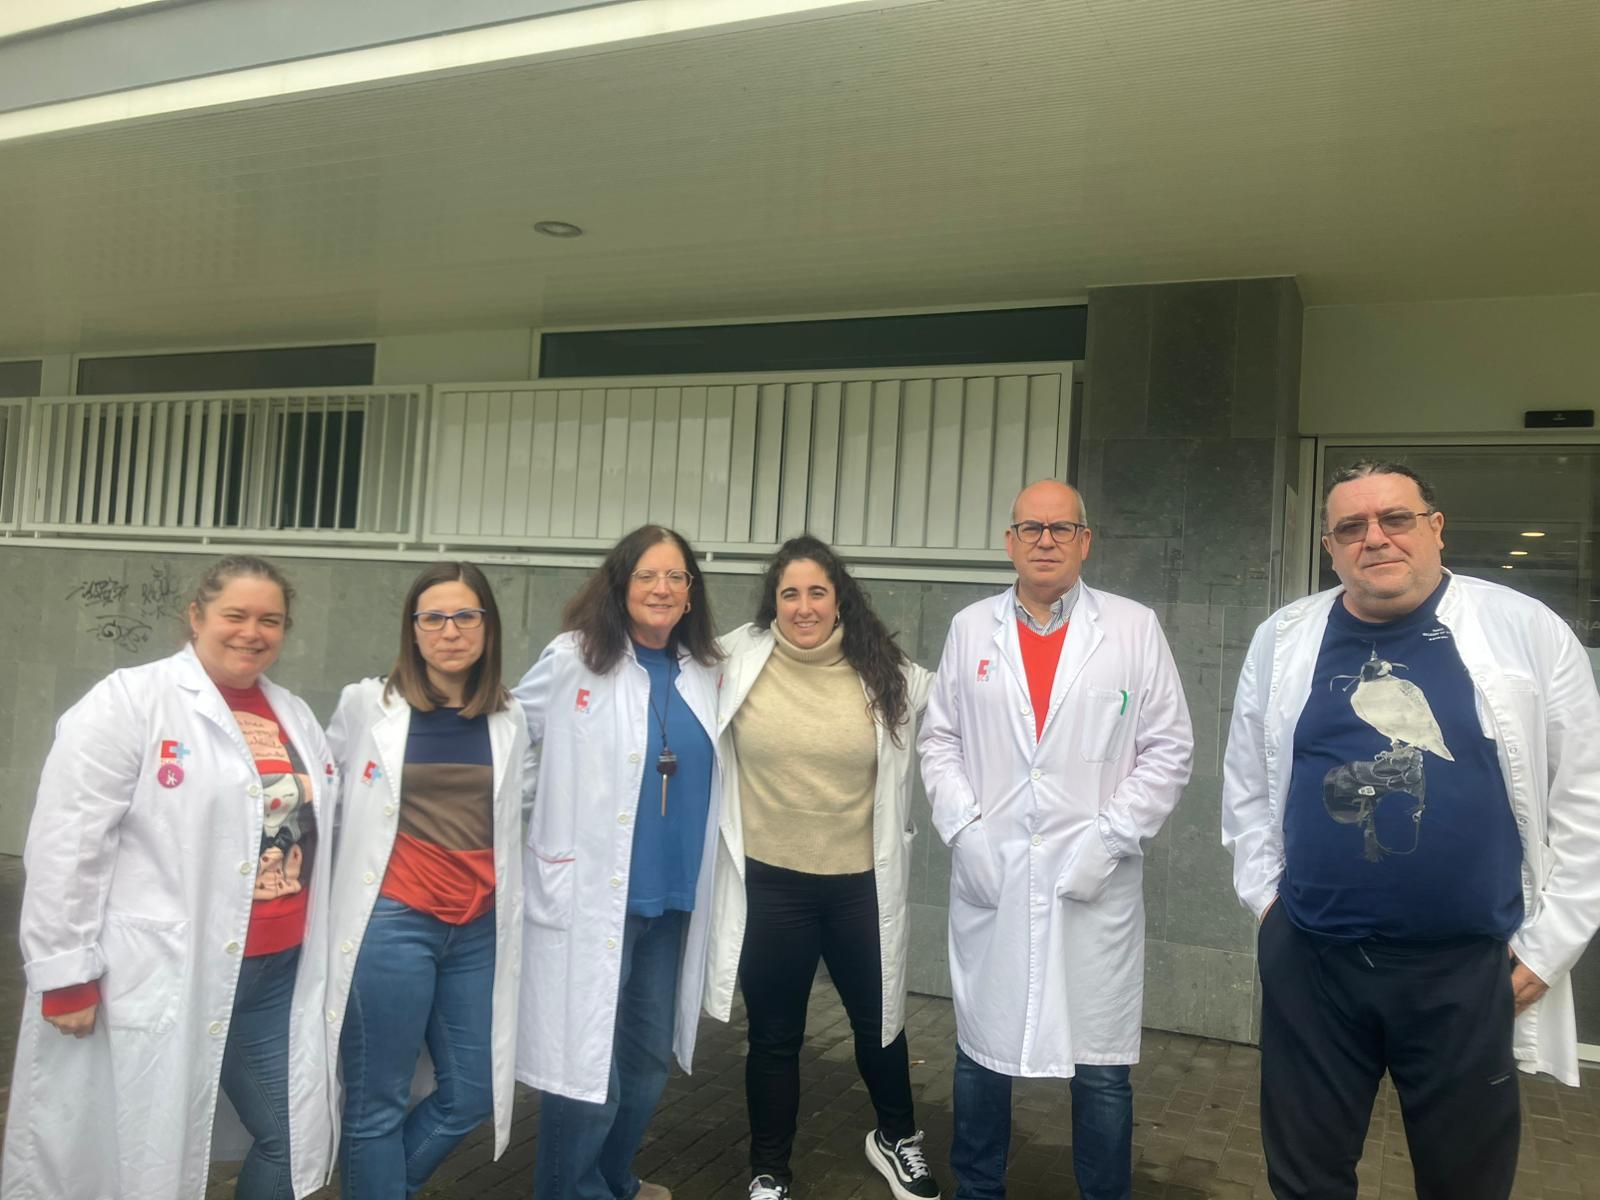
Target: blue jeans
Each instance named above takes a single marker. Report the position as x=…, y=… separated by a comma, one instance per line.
x=419, y=979
x=1102, y=1131
x=586, y=1150
x=255, y=1071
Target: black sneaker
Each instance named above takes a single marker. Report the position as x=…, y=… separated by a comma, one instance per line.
x=903, y=1165
x=765, y=1187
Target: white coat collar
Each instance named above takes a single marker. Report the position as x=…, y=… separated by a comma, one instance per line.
x=1084, y=635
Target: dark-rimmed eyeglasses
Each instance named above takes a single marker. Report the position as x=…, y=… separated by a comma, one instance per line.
x=677, y=581
x=1354, y=529
x=1061, y=532
x=430, y=621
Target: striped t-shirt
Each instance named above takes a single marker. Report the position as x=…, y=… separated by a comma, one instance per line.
x=442, y=863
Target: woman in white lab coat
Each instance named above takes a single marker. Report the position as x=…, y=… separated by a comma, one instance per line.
x=622, y=709
x=174, y=923
x=818, y=709
x=426, y=924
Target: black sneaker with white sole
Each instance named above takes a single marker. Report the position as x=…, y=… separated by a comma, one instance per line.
x=903, y=1165
x=765, y=1187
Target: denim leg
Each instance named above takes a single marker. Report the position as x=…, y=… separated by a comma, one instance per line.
x=255, y=1071
x=458, y=1042
x=982, y=1135
x=586, y=1150
x=1102, y=1131
x=642, y=1048
x=384, y=1024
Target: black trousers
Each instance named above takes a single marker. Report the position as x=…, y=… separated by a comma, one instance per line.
x=1336, y=1015
x=794, y=920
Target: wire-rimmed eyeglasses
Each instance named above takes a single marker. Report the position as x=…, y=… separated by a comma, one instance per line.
x=1354, y=529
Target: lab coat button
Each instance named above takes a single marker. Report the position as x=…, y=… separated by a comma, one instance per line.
x=1026, y=710
x=633, y=758
x=255, y=789
x=369, y=877
x=1036, y=774
x=232, y=947
x=615, y=882
x=347, y=946
x=388, y=810
x=244, y=868
x=1037, y=840
x=622, y=818
x=611, y=943
x=215, y=1028
x=332, y=1016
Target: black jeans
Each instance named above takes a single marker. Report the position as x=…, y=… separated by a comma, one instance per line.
x=794, y=919
x=1438, y=1018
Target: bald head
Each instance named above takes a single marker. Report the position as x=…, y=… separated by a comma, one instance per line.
x=1051, y=493
x=1048, y=565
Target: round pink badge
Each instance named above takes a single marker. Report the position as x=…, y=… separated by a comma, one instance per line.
x=170, y=775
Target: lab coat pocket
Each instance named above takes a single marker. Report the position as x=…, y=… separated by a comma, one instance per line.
x=144, y=969
x=548, y=887
x=1088, y=869
x=1102, y=716
x=974, y=874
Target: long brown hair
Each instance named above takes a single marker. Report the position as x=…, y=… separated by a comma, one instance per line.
x=598, y=614
x=869, y=647
x=409, y=678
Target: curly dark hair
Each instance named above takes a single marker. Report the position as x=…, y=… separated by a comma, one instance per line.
x=869, y=647
x=599, y=612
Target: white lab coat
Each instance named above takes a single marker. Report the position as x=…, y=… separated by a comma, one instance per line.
x=1046, y=901
x=367, y=728
x=1536, y=698
x=149, y=889
x=590, y=734
x=748, y=649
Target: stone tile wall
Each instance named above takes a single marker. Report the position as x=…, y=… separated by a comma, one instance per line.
x=1188, y=438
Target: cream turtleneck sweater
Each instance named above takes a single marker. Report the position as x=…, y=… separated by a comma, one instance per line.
x=808, y=761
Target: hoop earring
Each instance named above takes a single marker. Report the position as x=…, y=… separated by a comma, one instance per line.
x=687, y=605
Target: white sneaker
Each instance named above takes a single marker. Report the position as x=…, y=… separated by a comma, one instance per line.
x=903, y=1165
x=765, y=1187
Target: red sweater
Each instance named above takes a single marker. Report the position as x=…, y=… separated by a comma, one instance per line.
x=1041, y=653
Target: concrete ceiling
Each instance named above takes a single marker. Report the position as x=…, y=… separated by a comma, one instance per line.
x=946, y=153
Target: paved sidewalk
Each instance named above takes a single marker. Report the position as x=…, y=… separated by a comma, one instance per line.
x=1197, y=1132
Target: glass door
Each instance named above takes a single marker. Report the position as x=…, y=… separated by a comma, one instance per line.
x=1524, y=515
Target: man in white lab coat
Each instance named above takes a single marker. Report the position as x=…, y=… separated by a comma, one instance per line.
x=1412, y=785
x=1056, y=739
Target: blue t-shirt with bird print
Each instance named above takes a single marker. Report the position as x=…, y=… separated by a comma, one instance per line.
x=1397, y=825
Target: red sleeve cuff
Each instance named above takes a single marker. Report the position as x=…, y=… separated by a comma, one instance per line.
x=79, y=996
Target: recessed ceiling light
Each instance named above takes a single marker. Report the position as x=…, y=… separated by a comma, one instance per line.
x=1519, y=554
x=1507, y=567
x=558, y=229
x=1533, y=533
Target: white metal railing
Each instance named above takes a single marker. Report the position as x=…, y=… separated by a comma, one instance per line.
x=913, y=470
x=338, y=464
x=898, y=463
x=13, y=427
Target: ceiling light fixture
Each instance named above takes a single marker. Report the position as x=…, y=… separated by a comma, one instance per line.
x=1507, y=567
x=1533, y=533
x=1519, y=554
x=558, y=229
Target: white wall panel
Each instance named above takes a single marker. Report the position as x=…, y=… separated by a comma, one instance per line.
x=904, y=462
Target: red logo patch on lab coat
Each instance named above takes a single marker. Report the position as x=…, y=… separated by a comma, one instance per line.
x=983, y=670
x=583, y=700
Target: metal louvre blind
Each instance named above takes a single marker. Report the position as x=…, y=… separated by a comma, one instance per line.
x=330, y=462
x=917, y=462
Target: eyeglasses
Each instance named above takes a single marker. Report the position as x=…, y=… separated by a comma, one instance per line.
x=432, y=622
x=677, y=581
x=1354, y=529
x=1061, y=532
